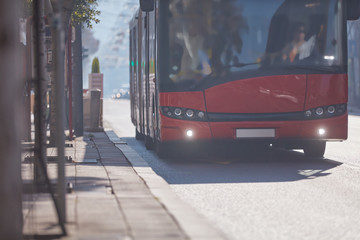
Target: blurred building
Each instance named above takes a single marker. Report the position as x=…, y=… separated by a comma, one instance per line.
x=354, y=63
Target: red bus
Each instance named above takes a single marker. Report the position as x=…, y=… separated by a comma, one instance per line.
x=272, y=72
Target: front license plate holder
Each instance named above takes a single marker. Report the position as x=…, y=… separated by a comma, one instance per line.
x=255, y=133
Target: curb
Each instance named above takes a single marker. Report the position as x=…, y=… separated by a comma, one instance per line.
x=193, y=224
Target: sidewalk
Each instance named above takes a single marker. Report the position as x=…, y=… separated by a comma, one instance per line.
x=111, y=198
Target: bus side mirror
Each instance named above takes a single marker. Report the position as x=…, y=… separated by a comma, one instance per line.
x=147, y=5
x=353, y=9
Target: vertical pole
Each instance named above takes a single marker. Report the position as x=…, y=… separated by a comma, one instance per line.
x=60, y=108
x=11, y=123
x=95, y=105
x=28, y=81
x=70, y=81
x=78, y=83
x=40, y=92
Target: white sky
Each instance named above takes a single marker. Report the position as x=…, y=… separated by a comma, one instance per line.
x=112, y=31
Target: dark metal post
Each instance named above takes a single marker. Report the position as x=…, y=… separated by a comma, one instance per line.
x=28, y=80
x=78, y=83
x=69, y=74
x=40, y=92
x=59, y=42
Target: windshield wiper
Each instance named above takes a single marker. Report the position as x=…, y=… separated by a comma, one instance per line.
x=240, y=65
x=327, y=69
x=219, y=72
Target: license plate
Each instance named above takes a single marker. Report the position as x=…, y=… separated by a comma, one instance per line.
x=256, y=133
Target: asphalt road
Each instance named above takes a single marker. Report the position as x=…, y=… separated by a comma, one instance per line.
x=275, y=194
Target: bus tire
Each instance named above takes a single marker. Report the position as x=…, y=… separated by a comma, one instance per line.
x=149, y=143
x=162, y=150
x=138, y=135
x=315, y=149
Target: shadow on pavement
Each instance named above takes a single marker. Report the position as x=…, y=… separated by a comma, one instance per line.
x=235, y=164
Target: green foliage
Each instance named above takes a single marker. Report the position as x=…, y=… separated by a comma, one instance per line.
x=95, y=68
x=26, y=8
x=85, y=12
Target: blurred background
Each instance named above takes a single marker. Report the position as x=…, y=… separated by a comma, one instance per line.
x=109, y=40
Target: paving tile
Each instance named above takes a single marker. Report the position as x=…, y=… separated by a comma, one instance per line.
x=109, y=200
x=104, y=236
x=156, y=235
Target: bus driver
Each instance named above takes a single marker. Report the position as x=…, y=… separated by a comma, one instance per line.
x=298, y=48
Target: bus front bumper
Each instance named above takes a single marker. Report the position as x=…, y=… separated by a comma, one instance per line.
x=330, y=129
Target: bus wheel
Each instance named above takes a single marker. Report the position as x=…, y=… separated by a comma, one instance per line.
x=315, y=149
x=138, y=135
x=149, y=143
x=162, y=149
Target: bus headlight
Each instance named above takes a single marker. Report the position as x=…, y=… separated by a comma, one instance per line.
x=331, y=109
x=189, y=113
x=201, y=115
x=183, y=113
x=178, y=112
x=321, y=131
x=189, y=133
x=167, y=111
x=319, y=111
x=325, y=111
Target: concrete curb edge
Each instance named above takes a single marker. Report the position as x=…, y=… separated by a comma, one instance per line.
x=193, y=224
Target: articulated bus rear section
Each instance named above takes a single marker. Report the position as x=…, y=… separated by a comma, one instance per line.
x=272, y=72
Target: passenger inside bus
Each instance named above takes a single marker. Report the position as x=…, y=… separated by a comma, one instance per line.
x=298, y=48
x=222, y=40
x=205, y=38
x=301, y=47
x=190, y=60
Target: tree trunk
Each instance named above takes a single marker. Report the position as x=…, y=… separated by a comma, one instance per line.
x=28, y=83
x=40, y=92
x=78, y=83
x=66, y=14
x=11, y=123
x=53, y=118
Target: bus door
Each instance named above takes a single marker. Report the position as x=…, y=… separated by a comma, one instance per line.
x=132, y=73
x=146, y=72
x=136, y=78
x=151, y=74
x=141, y=71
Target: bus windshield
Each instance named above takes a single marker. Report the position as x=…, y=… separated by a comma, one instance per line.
x=224, y=40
